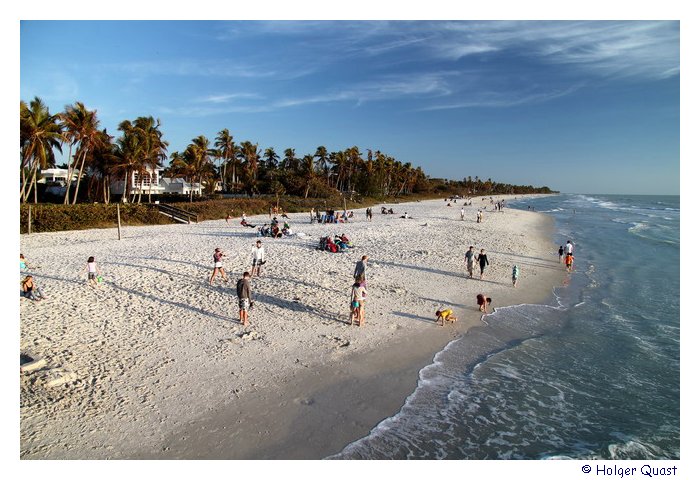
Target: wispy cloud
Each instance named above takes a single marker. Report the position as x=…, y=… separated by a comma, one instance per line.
x=494, y=99
x=626, y=48
x=227, y=97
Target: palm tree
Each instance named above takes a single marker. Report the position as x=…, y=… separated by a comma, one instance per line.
x=290, y=162
x=89, y=136
x=340, y=165
x=101, y=162
x=322, y=162
x=250, y=154
x=308, y=173
x=271, y=158
x=127, y=154
x=227, y=151
x=72, y=119
x=197, y=156
x=40, y=133
x=153, y=148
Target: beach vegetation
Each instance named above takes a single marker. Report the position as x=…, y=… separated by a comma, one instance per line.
x=96, y=160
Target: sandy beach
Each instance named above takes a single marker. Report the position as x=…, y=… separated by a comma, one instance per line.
x=153, y=363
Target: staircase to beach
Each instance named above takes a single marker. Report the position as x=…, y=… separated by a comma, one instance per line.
x=177, y=214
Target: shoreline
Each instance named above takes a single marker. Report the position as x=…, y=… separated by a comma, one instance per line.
x=332, y=407
x=306, y=385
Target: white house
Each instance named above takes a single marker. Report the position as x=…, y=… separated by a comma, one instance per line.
x=144, y=183
x=56, y=175
x=180, y=186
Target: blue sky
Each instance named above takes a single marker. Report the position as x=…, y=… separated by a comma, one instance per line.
x=579, y=106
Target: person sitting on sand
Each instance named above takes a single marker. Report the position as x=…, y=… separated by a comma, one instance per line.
x=405, y=215
x=244, y=221
x=31, y=290
x=483, y=301
x=445, y=315
x=23, y=263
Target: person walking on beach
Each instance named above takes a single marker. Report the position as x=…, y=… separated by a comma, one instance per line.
x=360, y=272
x=312, y=214
x=357, y=303
x=561, y=253
x=483, y=261
x=569, y=262
x=258, y=258
x=483, y=302
x=368, y=214
x=569, y=247
x=92, y=271
x=516, y=274
x=218, y=266
x=245, y=301
x=469, y=259
x=461, y=213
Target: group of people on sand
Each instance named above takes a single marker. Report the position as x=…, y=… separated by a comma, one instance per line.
x=471, y=259
x=28, y=286
x=330, y=216
x=243, y=289
x=566, y=255
x=31, y=290
x=337, y=244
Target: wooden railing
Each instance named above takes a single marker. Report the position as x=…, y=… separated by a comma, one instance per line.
x=177, y=213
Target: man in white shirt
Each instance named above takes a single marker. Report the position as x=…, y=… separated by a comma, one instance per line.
x=258, y=258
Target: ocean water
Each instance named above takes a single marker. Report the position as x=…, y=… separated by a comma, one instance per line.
x=593, y=374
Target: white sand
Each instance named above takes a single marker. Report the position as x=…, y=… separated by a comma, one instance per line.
x=155, y=351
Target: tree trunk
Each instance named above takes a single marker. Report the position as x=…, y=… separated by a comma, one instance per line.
x=80, y=176
x=24, y=185
x=32, y=183
x=126, y=183
x=66, y=198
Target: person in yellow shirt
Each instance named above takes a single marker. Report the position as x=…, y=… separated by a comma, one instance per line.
x=444, y=315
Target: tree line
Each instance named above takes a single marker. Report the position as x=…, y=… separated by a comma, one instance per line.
x=97, y=159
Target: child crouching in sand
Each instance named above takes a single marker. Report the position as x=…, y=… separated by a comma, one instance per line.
x=445, y=315
x=483, y=301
